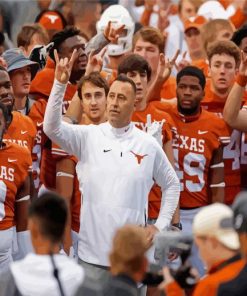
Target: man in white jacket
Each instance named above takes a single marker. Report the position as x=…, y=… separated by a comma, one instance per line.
x=117, y=166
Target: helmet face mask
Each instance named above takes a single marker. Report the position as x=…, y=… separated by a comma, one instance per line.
x=118, y=16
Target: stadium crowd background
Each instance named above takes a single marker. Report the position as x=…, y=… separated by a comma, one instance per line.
x=121, y=120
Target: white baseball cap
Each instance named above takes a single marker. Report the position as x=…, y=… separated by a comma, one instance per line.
x=216, y=221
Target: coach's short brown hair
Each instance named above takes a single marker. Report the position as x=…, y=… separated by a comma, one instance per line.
x=128, y=249
x=27, y=31
x=152, y=35
x=224, y=47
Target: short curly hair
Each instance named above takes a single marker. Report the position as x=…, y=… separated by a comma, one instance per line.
x=224, y=47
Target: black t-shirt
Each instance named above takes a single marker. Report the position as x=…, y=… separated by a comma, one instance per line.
x=235, y=287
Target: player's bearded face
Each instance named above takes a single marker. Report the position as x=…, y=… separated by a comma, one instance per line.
x=8, y=101
x=189, y=95
x=6, y=91
x=66, y=50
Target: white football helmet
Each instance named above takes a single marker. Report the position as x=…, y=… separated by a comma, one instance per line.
x=118, y=15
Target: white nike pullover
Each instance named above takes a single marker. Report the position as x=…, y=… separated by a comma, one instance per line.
x=116, y=170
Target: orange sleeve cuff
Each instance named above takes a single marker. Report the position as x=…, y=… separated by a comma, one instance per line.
x=241, y=80
x=173, y=289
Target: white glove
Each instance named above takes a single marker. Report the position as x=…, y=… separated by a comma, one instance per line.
x=155, y=129
x=24, y=245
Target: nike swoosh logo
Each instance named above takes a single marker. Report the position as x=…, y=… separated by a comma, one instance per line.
x=107, y=150
x=11, y=160
x=202, y=132
x=23, y=132
x=39, y=123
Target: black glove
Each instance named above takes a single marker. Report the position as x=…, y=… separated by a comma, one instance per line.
x=39, y=54
x=184, y=277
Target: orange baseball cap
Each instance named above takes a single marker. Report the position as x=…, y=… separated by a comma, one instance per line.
x=51, y=20
x=194, y=22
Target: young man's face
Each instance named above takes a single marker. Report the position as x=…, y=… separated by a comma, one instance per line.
x=141, y=82
x=120, y=104
x=93, y=101
x=222, y=71
x=21, y=81
x=6, y=91
x=150, y=52
x=189, y=94
x=187, y=10
x=194, y=41
x=206, y=250
x=66, y=50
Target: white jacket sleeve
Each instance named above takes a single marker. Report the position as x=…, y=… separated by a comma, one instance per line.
x=165, y=176
x=69, y=137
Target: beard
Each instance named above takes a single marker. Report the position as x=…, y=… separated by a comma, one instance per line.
x=190, y=111
x=76, y=75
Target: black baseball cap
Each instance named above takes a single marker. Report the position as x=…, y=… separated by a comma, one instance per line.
x=240, y=212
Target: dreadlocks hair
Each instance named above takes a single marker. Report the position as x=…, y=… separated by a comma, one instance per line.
x=61, y=36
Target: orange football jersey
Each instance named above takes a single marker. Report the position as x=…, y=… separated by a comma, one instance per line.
x=194, y=141
x=231, y=153
x=21, y=131
x=140, y=119
x=168, y=90
x=243, y=156
x=75, y=203
x=202, y=64
x=15, y=164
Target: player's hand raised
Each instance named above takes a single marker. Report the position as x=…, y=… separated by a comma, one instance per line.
x=112, y=34
x=243, y=64
x=95, y=61
x=64, y=66
x=165, y=66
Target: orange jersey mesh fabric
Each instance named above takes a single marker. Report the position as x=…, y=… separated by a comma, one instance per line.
x=21, y=131
x=168, y=90
x=231, y=154
x=15, y=163
x=140, y=118
x=194, y=141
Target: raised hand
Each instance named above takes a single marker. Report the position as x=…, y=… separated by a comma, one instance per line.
x=243, y=64
x=64, y=66
x=163, y=17
x=95, y=61
x=112, y=34
x=183, y=63
x=165, y=66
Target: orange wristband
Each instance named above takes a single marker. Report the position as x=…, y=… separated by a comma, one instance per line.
x=241, y=80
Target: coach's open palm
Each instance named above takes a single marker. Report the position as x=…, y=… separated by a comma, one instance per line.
x=64, y=66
